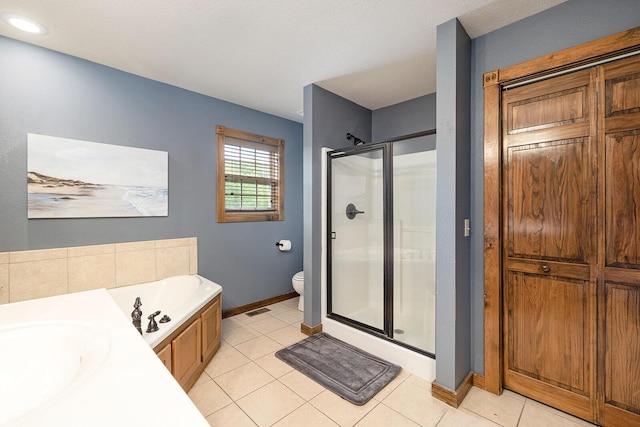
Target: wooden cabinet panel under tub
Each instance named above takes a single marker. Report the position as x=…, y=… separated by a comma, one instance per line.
x=188, y=350
x=165, y=356
x=210, y=319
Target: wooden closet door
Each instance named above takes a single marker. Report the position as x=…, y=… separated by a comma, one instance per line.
x=549, y=276
x=619, y=301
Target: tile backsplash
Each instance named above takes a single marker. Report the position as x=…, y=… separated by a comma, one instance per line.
x=47, y=272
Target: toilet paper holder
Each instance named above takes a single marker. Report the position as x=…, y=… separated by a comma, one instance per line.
x=284, y=245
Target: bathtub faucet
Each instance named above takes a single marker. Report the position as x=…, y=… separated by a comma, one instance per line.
x=136, y=315
x=153, y=326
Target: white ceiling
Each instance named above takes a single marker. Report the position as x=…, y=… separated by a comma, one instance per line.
x=260, y=53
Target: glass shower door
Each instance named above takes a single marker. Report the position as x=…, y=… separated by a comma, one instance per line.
x=414, y=235
x=356, y=237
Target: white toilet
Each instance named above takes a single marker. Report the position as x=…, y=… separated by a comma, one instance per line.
x=298, y=284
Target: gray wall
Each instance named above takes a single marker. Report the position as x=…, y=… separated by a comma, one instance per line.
x=568, y=24
x=49, y=93
x=453, y=328
x=327, y=120
x=415, y=115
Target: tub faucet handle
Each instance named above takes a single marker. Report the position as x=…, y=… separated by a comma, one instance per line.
x=136, y=315
x=153, y=326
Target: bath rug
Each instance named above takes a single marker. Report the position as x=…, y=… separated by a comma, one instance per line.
x=351, y=373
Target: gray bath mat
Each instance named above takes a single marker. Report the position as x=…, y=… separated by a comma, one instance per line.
x=351, y=373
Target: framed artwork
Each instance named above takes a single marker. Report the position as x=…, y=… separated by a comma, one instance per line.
x=68, y=178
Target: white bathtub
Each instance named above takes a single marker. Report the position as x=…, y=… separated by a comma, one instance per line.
x=179, y=297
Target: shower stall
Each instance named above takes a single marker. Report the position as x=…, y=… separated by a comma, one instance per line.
x=380, y=240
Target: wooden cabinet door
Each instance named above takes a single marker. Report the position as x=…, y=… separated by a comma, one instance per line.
x=619, y=301
x=549, y=277
x=185, y=352
x=211, y=319
x=165, y=356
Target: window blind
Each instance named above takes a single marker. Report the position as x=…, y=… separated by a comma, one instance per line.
x=250, y=185
x=251, y=175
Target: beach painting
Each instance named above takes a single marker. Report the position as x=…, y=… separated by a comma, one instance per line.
x=68, y=178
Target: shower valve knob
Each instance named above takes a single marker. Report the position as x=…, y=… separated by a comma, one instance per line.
x=352, y=211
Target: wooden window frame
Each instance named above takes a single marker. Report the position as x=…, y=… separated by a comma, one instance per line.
x=225, y=215
x=493, y=82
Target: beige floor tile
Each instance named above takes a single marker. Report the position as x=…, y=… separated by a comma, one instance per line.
x=230, y=416
x=515, y=395
x=416, y=403
x=406, y=401
x=278, y=307
x=230, y=323
x=240, y=335
x=456, y=418
x=294, y=316
x=420, y=382
x=202, y=378
x=248, y=320
x=306, y=416
x=302, y=385
x=383, y=416
x=287, y=335
x=242, y=318
x=291, y=302
x=224, y=361
x=270, y=403
x=530, y=402
x=224, y=345
x=267, y=325
x=339, y=410
x=537, y=415
x=208, y=397
x=243, y=380
x=273, y=365
x=504, y=410
x=258, y=347
x=403, y=375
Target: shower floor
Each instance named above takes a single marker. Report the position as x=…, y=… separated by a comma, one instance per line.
x=413, y=326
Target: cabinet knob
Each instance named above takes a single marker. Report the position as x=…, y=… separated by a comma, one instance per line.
x=546, y=268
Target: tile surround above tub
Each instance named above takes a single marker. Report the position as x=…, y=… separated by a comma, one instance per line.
x=47, y=272
x=4, y=277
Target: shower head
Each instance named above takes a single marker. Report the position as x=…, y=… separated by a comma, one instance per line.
x=356, y=140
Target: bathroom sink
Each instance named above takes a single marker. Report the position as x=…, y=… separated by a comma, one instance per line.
x=40, y=361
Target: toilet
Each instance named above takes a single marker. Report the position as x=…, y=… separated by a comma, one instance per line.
x=298, y=284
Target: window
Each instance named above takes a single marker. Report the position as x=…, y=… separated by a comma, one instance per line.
x=250, y=177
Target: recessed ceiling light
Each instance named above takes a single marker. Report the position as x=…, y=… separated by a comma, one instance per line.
x=24, y=24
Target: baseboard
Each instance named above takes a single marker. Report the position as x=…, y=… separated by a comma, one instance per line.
x=478, y=381
x=310, y=330
x=258, y=304
x=450, y=397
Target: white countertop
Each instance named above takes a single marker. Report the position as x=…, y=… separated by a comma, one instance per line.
x=131, y=386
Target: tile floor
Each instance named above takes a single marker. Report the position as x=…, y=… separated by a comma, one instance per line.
x=246, y=385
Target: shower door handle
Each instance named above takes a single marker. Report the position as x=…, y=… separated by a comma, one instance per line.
x=352, y=211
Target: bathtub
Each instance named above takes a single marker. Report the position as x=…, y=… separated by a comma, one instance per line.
x=179, y=297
